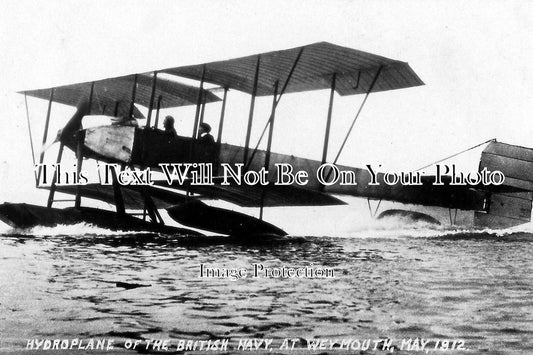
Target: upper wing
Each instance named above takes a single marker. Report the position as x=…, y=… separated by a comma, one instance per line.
x=112, y=92
x=354, y=71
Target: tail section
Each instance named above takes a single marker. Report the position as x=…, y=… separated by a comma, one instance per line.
x=511, y=205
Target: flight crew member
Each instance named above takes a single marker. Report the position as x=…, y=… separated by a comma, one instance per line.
x=206, y=144
x=168, y=123
x=205, y=134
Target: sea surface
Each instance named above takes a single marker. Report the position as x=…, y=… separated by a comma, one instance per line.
x=472, y=289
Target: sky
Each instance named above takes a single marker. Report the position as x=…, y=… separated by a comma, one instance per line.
x=474, y=57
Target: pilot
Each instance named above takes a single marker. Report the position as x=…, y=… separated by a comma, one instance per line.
x=168, y=123
x=206, y=143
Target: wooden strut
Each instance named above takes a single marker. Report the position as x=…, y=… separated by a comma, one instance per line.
x=269, y=146
x=157, y=111
x=151, y=214
x=219, y=134
x=151, y=208
x=149, y=205
x=202, y=110
x=192, y=146
x=251, y=114
x=54, y=179
x=45, y=133
x=355, y=119
x=79, y=152
x=117, y=193
x=454, y=219
x=133, y=93
x=152, y=96
x=198, y=104
x=373, y=213
x=277, y=103
x=271, y=127
x=222, y=114
x=328, y=122
x=31, y=138
x=91, y=94
x=79, y=155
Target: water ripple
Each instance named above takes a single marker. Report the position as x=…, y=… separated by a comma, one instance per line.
x=470, y=285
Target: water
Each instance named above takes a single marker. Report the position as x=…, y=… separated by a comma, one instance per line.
x=472, y=286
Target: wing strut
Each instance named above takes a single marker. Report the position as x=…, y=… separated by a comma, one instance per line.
x=149, y=205
x=133, y=93
x=45, y=133
x=31, y=138
x=328, y=122
x=269, y=145
x=222, y=113
x=220, y=127
x=198, y=103
x=54, y=179
x=157, y=111
x=79, y=148
x=251, y=114
x=91, y=94
x=271, y=127
x=151, y=104
x=79, y=155
x=277, y=102
x=192, y=146
x=117, y=193
x=355, y=118
x=373, y=213
x=202, y=110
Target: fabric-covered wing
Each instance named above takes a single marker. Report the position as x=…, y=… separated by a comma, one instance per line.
x=102, y=102
x=118, y=91
x=355, y=71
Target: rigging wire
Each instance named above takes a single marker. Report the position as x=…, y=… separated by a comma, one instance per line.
x=271, y=118
x=357, y=116
x=355, y=119
x=456, y=154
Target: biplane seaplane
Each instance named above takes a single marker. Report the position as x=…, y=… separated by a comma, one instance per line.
x=132, y=148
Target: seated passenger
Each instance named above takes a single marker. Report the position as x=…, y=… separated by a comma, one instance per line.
x=204, y=134
x=207, y=149
x=168, y=123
